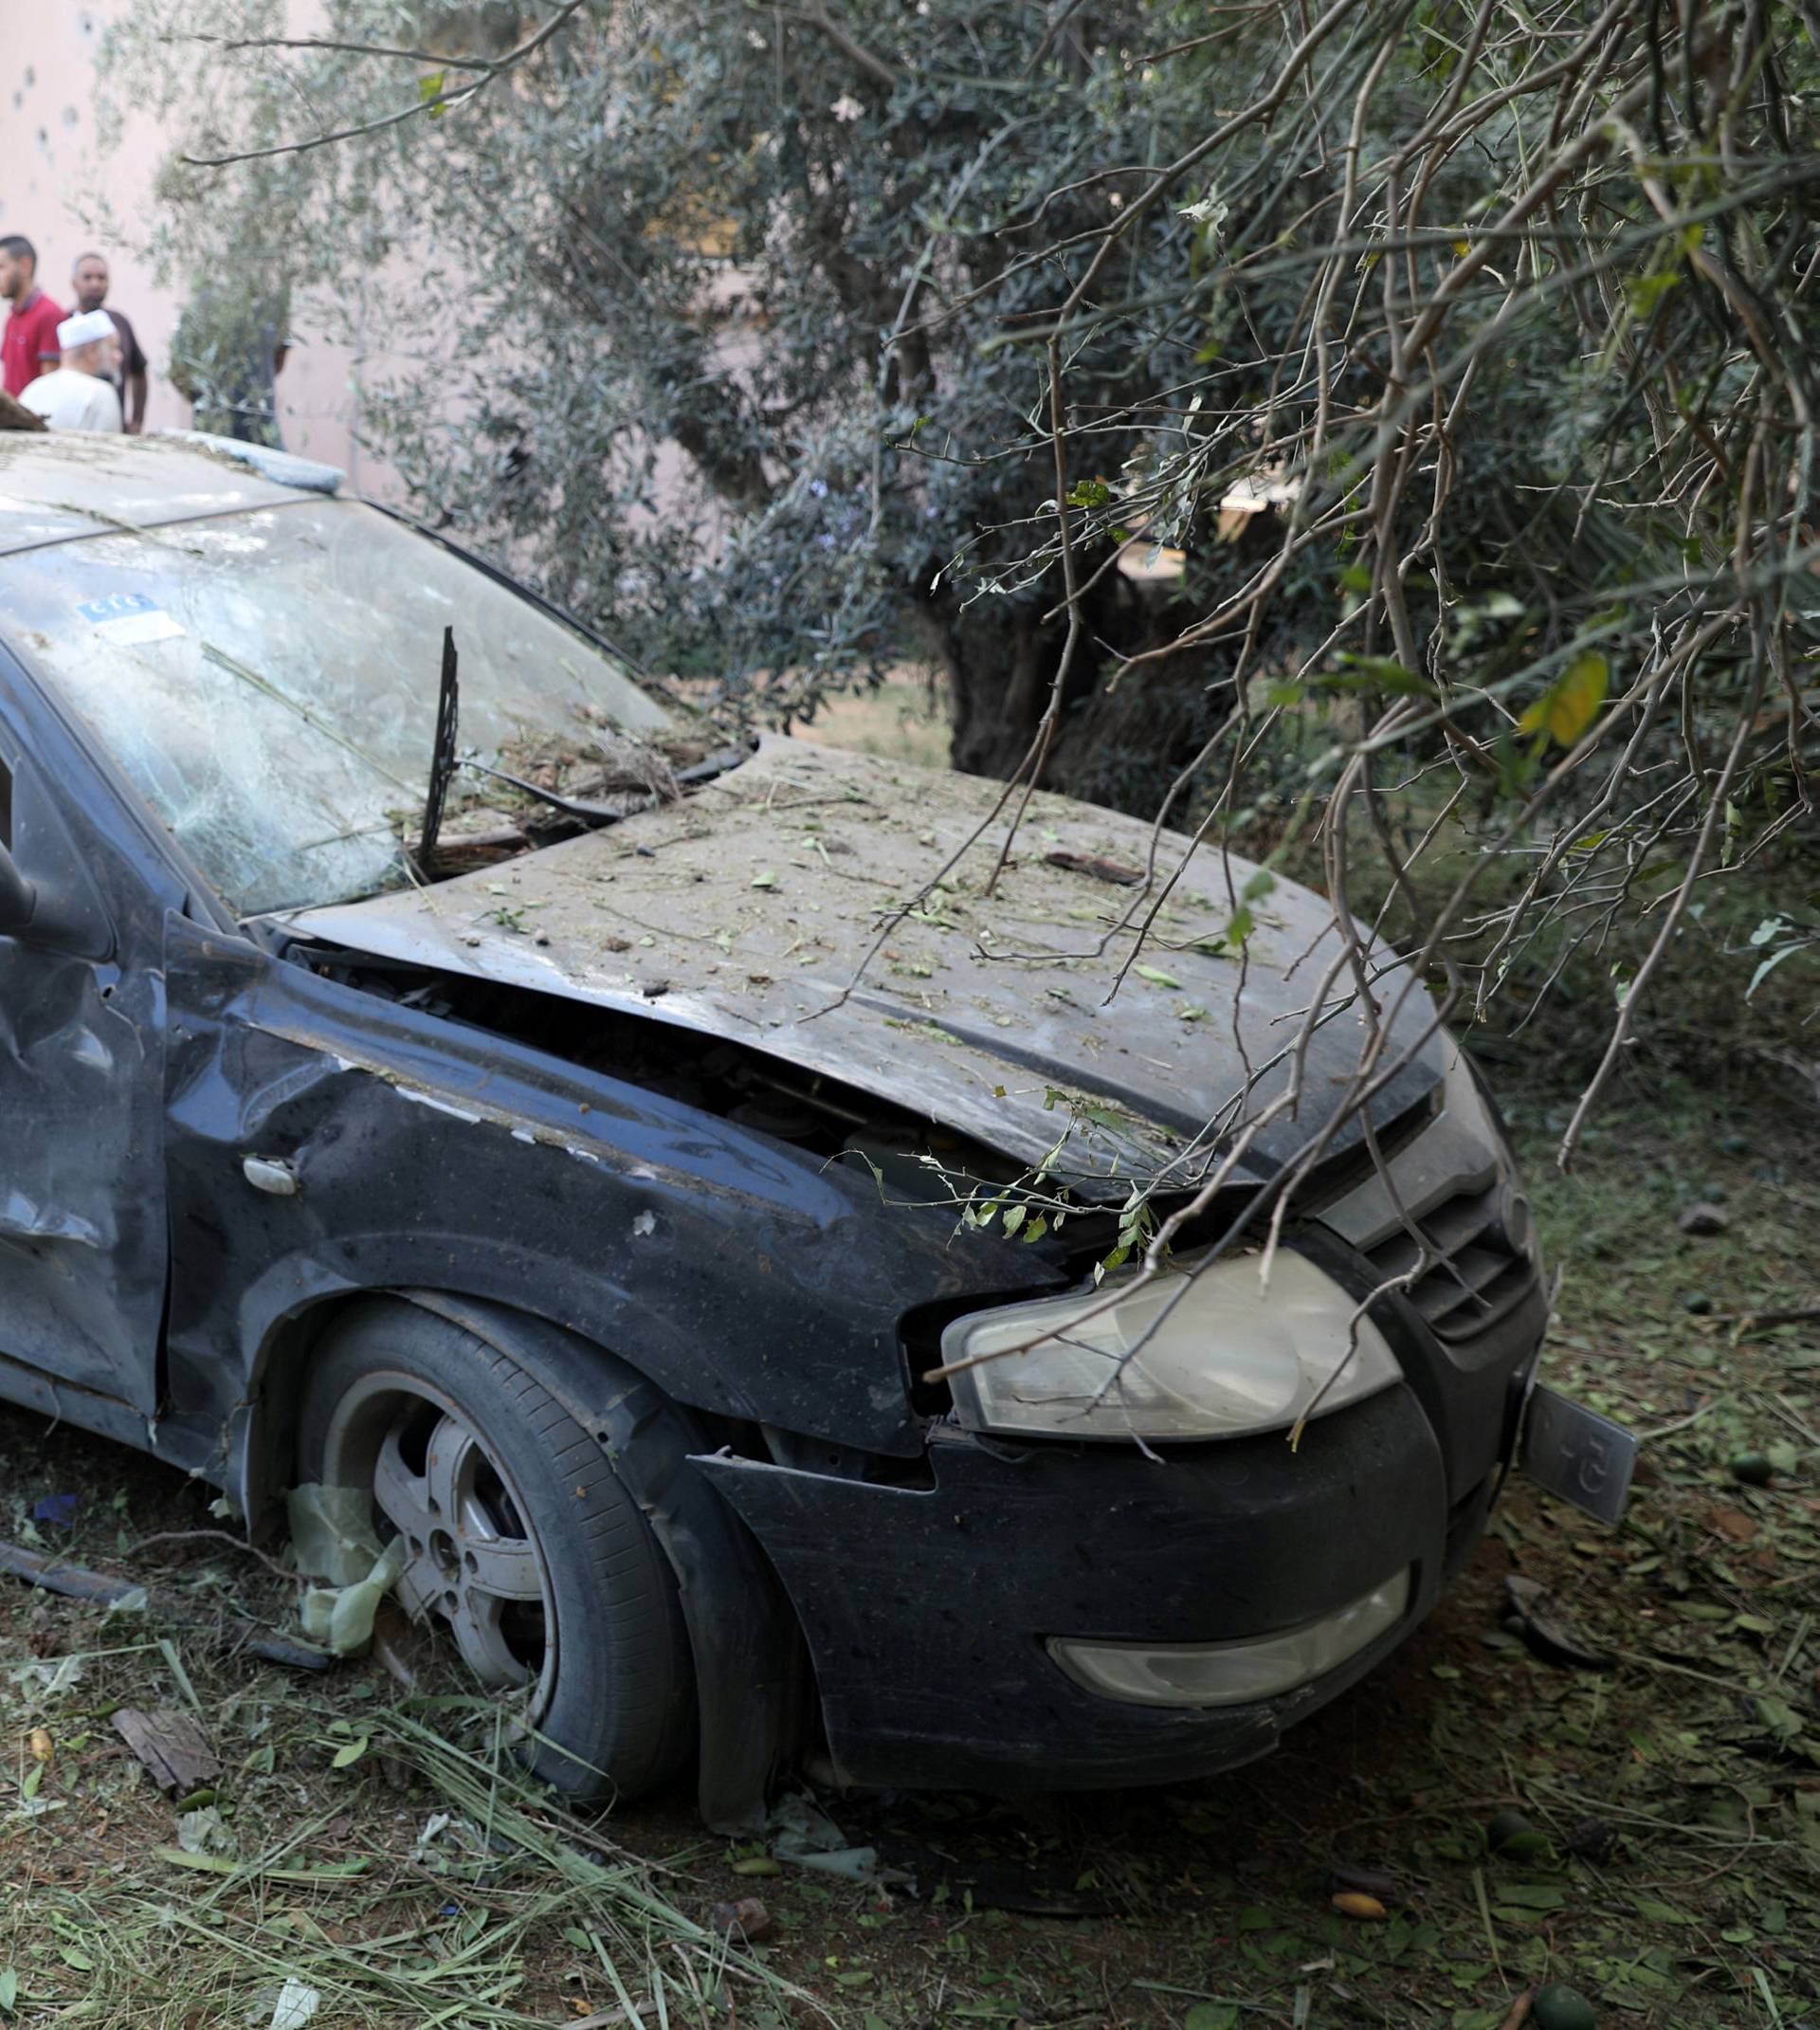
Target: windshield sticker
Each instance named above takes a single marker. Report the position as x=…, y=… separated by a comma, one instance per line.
x=129, y=618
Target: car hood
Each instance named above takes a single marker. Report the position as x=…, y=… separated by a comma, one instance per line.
x=765, y=908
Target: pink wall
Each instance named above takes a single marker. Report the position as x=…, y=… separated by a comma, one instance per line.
x=58, y=186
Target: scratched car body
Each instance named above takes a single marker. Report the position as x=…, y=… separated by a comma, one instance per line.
x=589, y=1196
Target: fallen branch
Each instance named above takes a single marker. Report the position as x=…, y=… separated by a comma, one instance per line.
x=214, y=1536
x=76, y=1582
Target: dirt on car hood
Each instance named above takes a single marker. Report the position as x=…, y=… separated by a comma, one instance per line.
x=745, y=912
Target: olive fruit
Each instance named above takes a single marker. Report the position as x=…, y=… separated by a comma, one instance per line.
x=1562, y=2008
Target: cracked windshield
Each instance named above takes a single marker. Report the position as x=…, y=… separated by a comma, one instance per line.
x=269, y=682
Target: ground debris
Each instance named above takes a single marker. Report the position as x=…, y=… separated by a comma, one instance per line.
x=1703, y=1219
x=745, y=1921
x=1542, y=1627
x=75, y=1582
x=171, y=1746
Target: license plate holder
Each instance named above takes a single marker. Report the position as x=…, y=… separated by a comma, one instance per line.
x=1577, y=1453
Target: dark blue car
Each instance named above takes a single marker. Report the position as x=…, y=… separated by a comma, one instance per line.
x=435, y=1065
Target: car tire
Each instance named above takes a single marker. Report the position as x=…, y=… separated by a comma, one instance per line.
x=522, y=1540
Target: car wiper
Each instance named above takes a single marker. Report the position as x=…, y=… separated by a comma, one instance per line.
x=598, y=814
x=442, y=761
x=592, y=813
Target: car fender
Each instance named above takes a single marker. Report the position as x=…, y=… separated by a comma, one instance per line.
x=391, y=1148
x=750, y=1666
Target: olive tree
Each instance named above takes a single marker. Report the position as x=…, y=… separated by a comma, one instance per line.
x=705, y=301
x=1265, y=407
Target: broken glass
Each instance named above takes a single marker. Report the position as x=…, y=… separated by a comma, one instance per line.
x=267, y=681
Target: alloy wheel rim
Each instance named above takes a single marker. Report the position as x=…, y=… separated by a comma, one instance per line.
x=474, y=1562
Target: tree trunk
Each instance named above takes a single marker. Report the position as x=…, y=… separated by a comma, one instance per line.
x=1120, y=746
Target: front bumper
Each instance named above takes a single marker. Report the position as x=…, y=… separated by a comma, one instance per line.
x=928, y=1610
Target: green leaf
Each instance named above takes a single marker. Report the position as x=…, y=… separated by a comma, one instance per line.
x=764, y=878
x=1645, y=291
x=1355, y=579
x=1014, y=1218
x=1570, y=704
x=1779, y=1716
x=1376, y=673
x=219, y=1864
x=1660, y=1913
x=430, y=85
x=1090, y=493
x=1212, y=2016
x=34, y=1776
x=1532, y=1895
x=343, y=1758
x=1157, y=977
x=1517, y=765
x=1769, y=966
x=1261, y=885
x=9, y=1989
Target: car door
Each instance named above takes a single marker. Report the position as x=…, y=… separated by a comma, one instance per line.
x=83, y=1241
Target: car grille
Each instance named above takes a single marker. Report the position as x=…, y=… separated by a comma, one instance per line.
x=1475, y=1275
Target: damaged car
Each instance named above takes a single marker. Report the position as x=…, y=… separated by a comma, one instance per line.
x=440, y=1068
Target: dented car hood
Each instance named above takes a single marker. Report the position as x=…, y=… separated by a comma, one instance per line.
x=746, y=911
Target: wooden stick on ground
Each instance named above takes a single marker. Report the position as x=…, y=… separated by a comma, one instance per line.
x=76, y=1583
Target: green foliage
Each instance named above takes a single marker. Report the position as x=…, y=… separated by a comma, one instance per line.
x=1473, y=381
x=666, y=287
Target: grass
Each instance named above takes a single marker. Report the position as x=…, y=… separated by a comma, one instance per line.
x=904, y=719
x=381, y=1859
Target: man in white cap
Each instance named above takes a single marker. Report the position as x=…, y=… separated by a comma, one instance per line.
x=76, y=394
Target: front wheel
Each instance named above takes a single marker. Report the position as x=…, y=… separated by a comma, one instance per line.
x=520, y=1538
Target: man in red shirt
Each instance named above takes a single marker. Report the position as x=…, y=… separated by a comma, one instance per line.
x=29, y=346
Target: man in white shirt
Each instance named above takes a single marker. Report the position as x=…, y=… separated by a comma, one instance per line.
x=75, y=395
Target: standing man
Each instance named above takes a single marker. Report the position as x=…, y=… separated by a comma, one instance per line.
x=29, y=347
x=77, y=393
x=89, y=278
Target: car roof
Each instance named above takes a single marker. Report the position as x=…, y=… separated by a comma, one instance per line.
x=58, y=485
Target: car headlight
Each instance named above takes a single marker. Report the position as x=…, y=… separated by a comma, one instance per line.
x=1199, y=1352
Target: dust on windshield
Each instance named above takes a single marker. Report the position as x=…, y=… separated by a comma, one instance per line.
x=269, y=680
